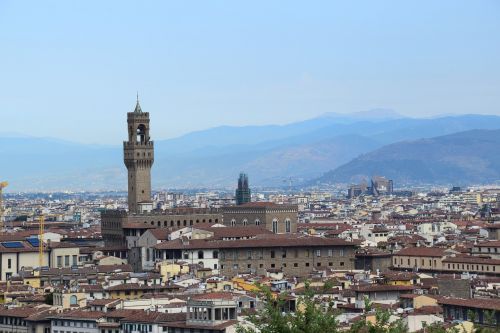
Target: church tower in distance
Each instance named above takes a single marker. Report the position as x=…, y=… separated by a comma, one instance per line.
x=138, y=155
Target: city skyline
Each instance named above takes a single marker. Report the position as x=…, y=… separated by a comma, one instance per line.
x=207, y=65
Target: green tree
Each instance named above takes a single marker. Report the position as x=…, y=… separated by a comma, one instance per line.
x=312, y=316
x=309, y=318
x=382, y=324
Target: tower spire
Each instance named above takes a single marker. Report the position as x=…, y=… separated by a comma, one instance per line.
x=137, y=105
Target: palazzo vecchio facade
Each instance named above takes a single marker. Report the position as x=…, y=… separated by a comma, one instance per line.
x=138, y=157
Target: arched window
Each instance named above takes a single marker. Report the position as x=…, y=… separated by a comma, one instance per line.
x=257, y=222
x=233, y=222
x=275, y=226
x=288, y=226
x=73, y=300
x=245, y=222
x=141, y=133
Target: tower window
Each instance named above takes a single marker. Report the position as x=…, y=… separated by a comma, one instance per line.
x=141, y=133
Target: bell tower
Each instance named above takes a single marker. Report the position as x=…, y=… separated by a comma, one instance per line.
x=138, y=155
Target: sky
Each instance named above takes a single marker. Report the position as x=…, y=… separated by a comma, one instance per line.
x=71, y=69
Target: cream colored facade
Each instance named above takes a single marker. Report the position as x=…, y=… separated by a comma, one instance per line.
x=418, y=262
x=68, y=299
x=12, y=262
x=169, y=269
x=64, y=257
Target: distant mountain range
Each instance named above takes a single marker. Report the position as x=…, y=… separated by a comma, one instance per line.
x=469, y=157
x=271, y=155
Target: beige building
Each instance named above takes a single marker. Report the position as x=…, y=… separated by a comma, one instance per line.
x=123, y=228
x=421, y=258
x=292, y=254
x=279, y=219
x=64, y=255
x=67, y=299
x=14, y=256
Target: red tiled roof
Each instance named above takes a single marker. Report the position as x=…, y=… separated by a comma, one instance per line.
x=421, y=252
x=487, y=304
x=212, y=296
x=234, y=232
x=472, y=260
x=382, y=287
x=262, y=241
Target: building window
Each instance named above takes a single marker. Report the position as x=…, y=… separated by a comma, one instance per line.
x=200, y=255
x=288, y=227
x=330, y=252
x=341, y=263
x=275, y=226
x=307, y=264
x=233, y=222
x=272, y=254
x=59, y=261
x=249, y=254
x=245, y=222
x=215, y=254
x=66, y=261
x=257, y=222
x=295, y=265
x=75, y=260
x=341, y=252
x=9, y=263
x=318, y=253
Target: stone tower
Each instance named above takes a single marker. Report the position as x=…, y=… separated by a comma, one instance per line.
x=243, y=194
x=138, y=154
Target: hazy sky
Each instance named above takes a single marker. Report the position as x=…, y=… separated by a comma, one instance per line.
x=71, y=69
